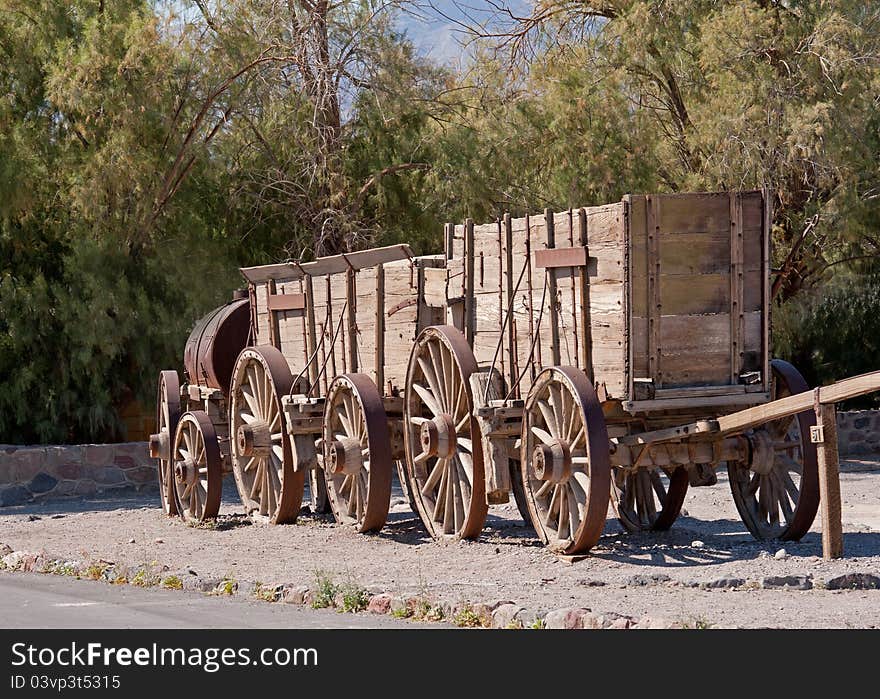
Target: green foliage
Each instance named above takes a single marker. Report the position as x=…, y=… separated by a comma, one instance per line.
x=354, y=598
x=172, y=582
x=834, y=334
x=325, y=592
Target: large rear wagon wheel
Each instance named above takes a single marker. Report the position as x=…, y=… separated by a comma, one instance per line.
x=198, y=468
x=778, y=497
x=565, y=460
x=162, y=441
x=357, y=453
x=444, y=457
x=262, y=460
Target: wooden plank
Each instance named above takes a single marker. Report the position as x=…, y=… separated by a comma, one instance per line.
x=829, y=483
x=584, y=279
x=737, y=326
x=434, y=293
x=449, y=240
x=699, y=391
x=551, y=272
x=835, y=393
x=653, y=406
x=379, y=361
x=274, y=336
x=652, y=219
x=565, y=257
x=333, y=264
x=286, y=302
x=469, y=310
x=351, y=298
x=509, y=301
x=312, y=340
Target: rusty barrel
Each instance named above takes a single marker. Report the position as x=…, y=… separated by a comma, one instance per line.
x=215, y=342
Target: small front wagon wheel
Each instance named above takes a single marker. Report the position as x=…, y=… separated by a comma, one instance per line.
x=444, y=456
x=565, y=460
x=197, y=468
x=357, y=453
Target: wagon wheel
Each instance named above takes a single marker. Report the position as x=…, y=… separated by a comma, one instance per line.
x=198, y=473
x=444, y=457
x=167, y=417
x=648, y=499
x=262, y=460
x=784, y=477
x=565, y=460
x=357, y=453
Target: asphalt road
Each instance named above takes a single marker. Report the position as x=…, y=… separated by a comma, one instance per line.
x=29, y=601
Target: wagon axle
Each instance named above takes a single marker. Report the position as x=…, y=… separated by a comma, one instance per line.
x=253, y=439
x=552, y=462
x=438, y=437
x=160, y=446
x=345, y=457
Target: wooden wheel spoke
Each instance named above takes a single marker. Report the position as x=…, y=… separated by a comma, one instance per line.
x=250, y=399
x=255, y=389
x=789, y=486
x=428, y=399
x=553, y=508
x=436, y=372
x=440, y=499
x=549, y=418
x=434, y=477
x=449, y=511
x=657, y=483
x=467, y=466
x=543, y=490
x=257, y=485
x=546, y=438
x=562, y=531
x=574, y=508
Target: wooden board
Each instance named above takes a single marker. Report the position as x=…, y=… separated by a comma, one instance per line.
x=333, y=264
x=709, y=292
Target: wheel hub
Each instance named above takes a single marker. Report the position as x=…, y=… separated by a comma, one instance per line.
x=552, y=462
x=345, y=457
x=438, y=438
x=762, y=456
x=185, y=472
x=160, y=445
x=253, y=439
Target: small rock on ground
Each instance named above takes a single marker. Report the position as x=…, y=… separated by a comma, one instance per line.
x=854, y=581
x=791, y=582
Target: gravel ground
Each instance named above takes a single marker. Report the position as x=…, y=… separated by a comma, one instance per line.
x=706, y=571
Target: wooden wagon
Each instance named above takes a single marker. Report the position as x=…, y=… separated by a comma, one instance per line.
x=613, y=353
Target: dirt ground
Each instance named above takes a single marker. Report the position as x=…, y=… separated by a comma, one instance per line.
x=706, y=571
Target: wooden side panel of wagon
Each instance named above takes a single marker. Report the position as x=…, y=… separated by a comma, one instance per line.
x=567, y=308
x=699, y=293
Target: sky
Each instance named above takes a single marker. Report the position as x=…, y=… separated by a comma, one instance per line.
x=435, y=26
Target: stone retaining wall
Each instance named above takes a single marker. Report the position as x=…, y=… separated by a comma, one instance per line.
x=858, y=432
x=31, y=472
